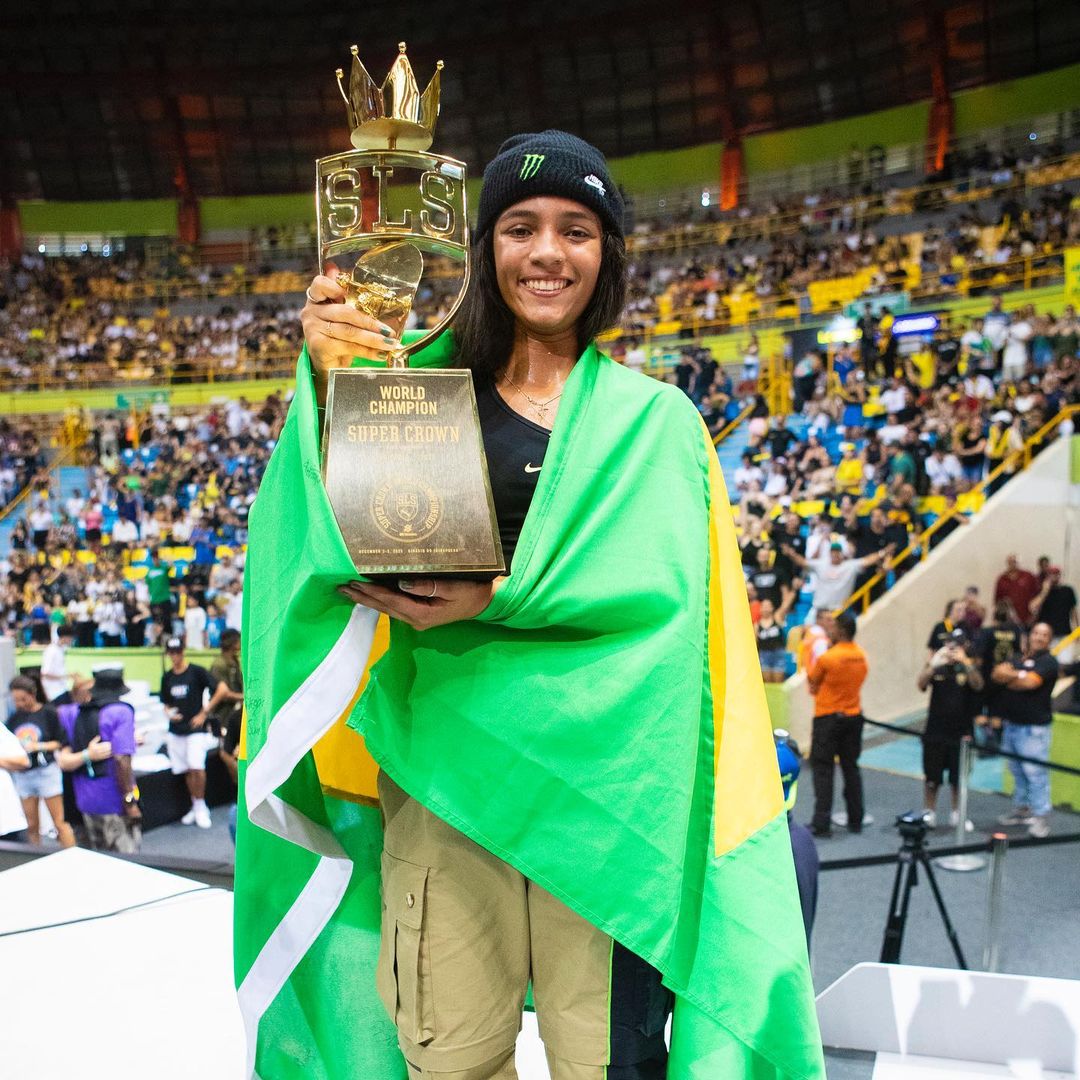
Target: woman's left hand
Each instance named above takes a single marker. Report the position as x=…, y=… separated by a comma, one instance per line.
x=425, y=602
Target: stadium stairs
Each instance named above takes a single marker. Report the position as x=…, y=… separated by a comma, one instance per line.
x=1036, y=513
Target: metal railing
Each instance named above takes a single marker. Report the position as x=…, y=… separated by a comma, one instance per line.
x=62, y=458
x=1017, y=461
x=732, y=424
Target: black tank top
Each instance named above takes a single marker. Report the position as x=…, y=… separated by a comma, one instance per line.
x=769, y=638
x=515, y=449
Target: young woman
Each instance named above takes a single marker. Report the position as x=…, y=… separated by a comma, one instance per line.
x=769, y=632
x=596, y=472
x=38, y=729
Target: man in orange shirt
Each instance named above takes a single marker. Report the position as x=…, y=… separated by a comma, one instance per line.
x=835, y=681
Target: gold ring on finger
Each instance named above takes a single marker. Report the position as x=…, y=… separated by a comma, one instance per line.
x=307, y=293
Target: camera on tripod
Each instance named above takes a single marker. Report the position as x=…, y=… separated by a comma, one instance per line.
x=912, y=825
x=912, y=854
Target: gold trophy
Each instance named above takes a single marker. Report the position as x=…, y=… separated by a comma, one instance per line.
x=403, y=458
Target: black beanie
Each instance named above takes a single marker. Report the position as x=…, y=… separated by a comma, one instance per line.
x=549, y=163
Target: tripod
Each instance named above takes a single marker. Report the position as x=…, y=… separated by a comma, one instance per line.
x=913, y=854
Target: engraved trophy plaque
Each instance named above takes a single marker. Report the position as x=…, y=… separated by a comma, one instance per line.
x=403, y=457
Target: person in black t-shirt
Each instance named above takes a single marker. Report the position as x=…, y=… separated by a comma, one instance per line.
x=954, y=680
x=1056, y=604
x=685, y=371
x=1027, y=682
x=947, y=348
x=869, y=538
x=769, y=632
x=771, y=580
x=996, y=643
x=37, y=728
x=182, y=691
x=780, y=438
x=943, y=631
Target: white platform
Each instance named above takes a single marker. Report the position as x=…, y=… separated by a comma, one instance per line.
x=151, y=987
x=925, y=1023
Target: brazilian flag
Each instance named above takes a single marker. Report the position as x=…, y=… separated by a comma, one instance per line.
x=601, y=726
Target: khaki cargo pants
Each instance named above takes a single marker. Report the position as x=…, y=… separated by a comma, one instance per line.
x=462, y=934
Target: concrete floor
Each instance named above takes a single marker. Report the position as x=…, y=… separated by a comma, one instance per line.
x=1041, y=898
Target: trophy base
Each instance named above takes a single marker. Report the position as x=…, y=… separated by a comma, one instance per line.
x=406, y=475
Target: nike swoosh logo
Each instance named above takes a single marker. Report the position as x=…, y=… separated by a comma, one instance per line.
x=533, y=468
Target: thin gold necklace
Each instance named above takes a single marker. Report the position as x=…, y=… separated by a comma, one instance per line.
x=541, y=407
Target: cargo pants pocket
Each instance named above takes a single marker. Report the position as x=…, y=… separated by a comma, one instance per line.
x=403, y=973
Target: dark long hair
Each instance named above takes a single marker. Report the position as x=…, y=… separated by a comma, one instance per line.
x=484, y=325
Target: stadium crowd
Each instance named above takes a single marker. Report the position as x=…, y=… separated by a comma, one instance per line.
x=181, y=485
x=79, y=319
x=879, y=445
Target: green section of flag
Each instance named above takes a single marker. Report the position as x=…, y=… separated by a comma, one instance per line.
x=569, y=730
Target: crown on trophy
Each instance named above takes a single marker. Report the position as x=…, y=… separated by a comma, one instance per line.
x=394, y=116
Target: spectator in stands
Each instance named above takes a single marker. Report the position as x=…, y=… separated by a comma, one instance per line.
x=771, y=643
x=996, y=330
x=1018, y=588
x=970, y=444
x=868, y=537
x=225, y=670
x=955, y=681
x=183, y=690
x=99, y=742
x=195, y=623
x=109, y=617
x=835, y=575
x=1027, y=680
x=37, y=727
x=1055, y=605
x=54, y=676
x=157, y=582
x=1016, y=352
x=942, y=470
x=836, y=681
x=13, y=760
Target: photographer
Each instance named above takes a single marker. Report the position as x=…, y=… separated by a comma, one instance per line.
x=954, y=680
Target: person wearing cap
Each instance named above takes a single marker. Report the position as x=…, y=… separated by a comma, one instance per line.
x=183, y=689
x=955, y=683
x=849, y=470
x=548, y=277
x=941, y=635
x=99, y=742
x=803, y=848
x=835, y=576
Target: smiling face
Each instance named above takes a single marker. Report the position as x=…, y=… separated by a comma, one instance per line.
x=547, y=259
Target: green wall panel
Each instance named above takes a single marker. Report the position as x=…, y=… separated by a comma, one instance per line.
x=258, y=210
x=136, y=217
x=1005, y=103
x=825, y=142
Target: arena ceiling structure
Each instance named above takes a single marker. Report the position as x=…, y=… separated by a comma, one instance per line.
x=115, y=99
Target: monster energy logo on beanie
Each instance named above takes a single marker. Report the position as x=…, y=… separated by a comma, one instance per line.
x=549, y=163
x=531, y=166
